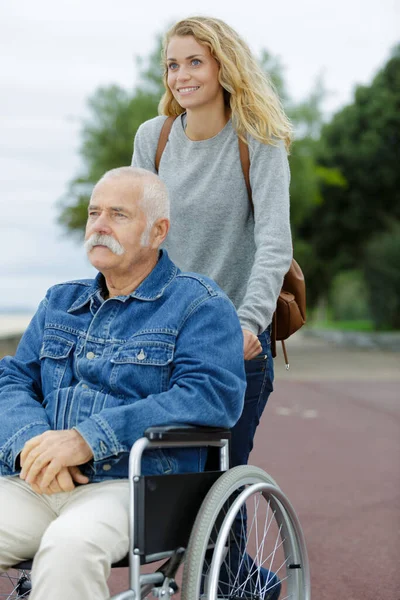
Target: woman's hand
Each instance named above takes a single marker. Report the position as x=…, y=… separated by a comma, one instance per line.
x=251, y=345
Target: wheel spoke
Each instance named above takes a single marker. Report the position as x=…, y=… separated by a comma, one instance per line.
x=10, y=584
x=258, y=538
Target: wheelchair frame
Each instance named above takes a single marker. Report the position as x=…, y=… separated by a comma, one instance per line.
x=161, y=437
x=210, y=492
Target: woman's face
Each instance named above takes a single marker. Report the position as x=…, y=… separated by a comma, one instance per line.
x=193, y=74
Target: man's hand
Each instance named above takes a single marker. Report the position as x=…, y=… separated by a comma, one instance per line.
x=63, y=482
x=49, y=452
x=251, y=345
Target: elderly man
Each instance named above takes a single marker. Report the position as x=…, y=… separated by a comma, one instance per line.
x=142, y=344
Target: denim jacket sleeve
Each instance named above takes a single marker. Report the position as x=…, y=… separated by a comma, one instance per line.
x=22, y=415
x=206, y=386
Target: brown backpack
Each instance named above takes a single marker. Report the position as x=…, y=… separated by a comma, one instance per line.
x=290, y=313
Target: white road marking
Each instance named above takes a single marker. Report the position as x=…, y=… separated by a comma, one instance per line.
x=285, y=411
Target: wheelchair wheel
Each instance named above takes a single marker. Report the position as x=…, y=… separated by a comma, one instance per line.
x=266, y=563
x=15, y=584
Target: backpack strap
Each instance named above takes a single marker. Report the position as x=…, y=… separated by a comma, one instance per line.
x=163, y=139
x=245, y=162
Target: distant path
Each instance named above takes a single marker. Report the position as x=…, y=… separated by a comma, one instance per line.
x=13, y=324
x=331, y=437
x=12, y=327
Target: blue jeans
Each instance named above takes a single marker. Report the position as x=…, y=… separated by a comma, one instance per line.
x=260, y=376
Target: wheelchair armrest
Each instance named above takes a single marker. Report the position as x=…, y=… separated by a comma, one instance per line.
x=186, y=433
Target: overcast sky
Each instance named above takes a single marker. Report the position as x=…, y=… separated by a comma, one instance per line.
x=55, y=54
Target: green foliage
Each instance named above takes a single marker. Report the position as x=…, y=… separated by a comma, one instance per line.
x=360, y=190
x=108, y=134
x=308, y=178
x=75, y=209
x=107, y=142
x=273, y=66
x=151, y=71
x=382, y=274
x=108, y=137
x=362, y=142
x=361, y=325
x=307, y=115
x=348, y=298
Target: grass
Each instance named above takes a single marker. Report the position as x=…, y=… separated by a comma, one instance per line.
x=361, y=325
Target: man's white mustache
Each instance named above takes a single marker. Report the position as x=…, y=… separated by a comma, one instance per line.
x=98, y=239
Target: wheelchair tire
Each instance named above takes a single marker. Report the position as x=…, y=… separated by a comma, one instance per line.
x=14, y=584
x=219, y=565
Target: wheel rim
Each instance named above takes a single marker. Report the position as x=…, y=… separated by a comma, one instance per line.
x=235, y=571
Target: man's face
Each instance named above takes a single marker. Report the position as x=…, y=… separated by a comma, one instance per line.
x=114, y=213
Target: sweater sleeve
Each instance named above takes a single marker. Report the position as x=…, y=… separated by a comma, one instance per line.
x=269, y=179
x=145, y=144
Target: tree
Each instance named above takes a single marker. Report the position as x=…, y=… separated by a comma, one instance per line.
x=362, y=142
x=107, y=135
x=382, y=275
x=307, y=119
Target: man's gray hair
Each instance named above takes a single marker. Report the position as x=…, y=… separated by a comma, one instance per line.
x=154, y=200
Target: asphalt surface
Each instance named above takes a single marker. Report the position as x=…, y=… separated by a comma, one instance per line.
x=330, y=437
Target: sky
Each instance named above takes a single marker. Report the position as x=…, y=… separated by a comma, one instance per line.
x=54, y=55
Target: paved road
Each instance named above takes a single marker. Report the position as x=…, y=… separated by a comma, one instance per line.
x=330, y=437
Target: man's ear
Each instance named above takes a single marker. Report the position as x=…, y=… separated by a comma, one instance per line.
x=159, y=232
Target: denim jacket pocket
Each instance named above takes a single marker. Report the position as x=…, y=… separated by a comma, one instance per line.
x=142, y=367
x=144, y=353
x=54, y=356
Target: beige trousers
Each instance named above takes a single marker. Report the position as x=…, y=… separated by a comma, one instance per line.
x=74, y=536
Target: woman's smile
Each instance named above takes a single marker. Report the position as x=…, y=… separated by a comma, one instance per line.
x=184, y=91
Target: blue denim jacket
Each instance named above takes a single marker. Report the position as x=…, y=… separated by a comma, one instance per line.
x=170, y=352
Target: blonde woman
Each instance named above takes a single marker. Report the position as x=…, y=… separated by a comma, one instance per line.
x=218, y=94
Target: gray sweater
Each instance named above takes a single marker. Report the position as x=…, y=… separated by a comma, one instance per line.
x=213, y=230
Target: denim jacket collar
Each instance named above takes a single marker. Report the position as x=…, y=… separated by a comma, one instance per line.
x=151, y=288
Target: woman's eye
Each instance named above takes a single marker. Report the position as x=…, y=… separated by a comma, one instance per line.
x=196, y=62
x=172, y=66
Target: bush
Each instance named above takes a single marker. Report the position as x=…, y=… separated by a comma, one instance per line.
x=382, y=276
x=348, y=298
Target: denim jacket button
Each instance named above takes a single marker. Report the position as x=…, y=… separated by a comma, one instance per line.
x=90, y=355
x=106, y=467
x=141, y=355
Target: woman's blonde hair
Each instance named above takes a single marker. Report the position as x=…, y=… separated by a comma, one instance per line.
x=248, y=91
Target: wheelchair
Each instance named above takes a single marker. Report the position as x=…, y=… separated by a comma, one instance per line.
x=195, y=535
